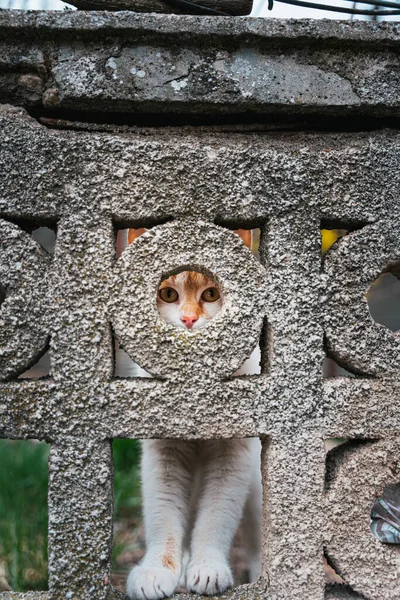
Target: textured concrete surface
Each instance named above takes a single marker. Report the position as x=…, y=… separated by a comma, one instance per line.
x=122, y=62
x=363, y=346
x=22, y=334
x=355, y=473
x=88, y=184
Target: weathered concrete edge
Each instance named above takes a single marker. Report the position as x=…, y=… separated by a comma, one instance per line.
x=166, y=64
x=314, y=159
x=245, y=30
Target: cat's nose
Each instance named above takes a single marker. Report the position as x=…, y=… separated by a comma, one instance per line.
x=189, y=321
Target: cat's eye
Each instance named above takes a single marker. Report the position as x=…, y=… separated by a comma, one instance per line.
x=210, y=294
x=168, y=294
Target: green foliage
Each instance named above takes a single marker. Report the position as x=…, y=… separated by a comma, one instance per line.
x=127, y=498
x=23, y=514
x=23, y=507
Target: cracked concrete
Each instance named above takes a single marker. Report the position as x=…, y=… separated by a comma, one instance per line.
x=121, y=64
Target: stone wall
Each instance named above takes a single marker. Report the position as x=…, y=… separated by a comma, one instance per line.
x=75, y=157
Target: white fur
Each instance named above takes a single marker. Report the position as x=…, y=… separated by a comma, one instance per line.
x=194, y=496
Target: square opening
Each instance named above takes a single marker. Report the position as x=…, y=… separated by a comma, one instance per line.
x=185, y=493
x=126, y=233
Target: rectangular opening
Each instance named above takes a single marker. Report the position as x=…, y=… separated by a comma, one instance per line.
x=23, y=515
x=126, y=234
x=183, y=482
x=125, y=367
x=250, y=234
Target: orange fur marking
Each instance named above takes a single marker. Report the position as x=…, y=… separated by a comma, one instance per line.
x=194, y=280
x=246, y=236
x=191, y=309
x=168, y=558
x=133, y=234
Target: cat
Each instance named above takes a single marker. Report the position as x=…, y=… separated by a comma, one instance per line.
x=196, y=492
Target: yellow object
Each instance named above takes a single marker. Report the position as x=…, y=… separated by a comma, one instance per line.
x=329, y=237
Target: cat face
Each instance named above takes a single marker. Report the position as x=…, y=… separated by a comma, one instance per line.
x=188, y=300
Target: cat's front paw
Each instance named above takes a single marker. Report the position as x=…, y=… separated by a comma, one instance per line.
x=151, y=583
x=209, y=579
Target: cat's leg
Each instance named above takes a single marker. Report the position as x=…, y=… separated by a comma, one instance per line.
x=166, y=485
x=252, y=515
x=192, y=517
x=225, y=485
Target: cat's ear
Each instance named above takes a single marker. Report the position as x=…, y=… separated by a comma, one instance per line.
x=245, y=234
x=133, y=234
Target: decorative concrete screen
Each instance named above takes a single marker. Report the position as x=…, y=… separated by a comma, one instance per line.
x=191, y=186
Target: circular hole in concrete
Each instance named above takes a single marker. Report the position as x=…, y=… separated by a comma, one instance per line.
x=188, y=299
x=384, y=299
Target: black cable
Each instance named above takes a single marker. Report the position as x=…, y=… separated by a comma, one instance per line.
x=341, y=9
x=386, y=3
x=195, y=9
x=198, y=9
